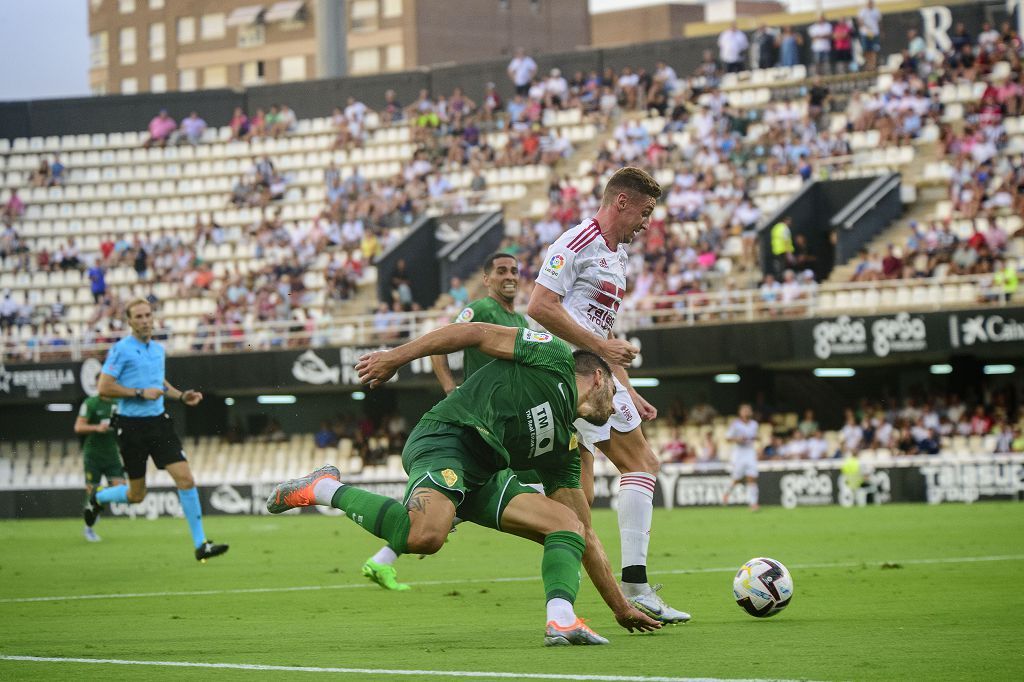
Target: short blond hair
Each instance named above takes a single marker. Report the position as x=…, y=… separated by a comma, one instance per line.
x=631, y=179
x=132, y=303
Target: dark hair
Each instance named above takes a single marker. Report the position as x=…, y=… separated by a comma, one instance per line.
x=587, y=363
x=489, y=263
x=630, y=179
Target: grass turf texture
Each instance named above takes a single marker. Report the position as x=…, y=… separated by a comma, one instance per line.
x=858, y=619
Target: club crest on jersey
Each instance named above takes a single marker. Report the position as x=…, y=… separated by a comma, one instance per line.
x=554, y=265
x=574, y=442
x=465, y=316
x=449, y=476
x=536, y=337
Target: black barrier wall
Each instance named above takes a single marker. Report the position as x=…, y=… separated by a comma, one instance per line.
x=317, y=98
x=932, y=480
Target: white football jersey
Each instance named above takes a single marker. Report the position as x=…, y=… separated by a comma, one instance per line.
x=589, y=276
x=740, y=429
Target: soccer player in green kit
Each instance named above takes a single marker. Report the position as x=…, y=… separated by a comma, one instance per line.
x=501, y=277
x=515, y=413
x=99, y=453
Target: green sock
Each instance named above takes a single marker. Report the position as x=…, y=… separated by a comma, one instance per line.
x=382, y=516
x=560, y=567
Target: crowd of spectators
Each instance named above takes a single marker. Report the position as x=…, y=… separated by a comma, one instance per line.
x=373, y=439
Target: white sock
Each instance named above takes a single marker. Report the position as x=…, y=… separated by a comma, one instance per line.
x=636, y=507
x=560, y=611
x=323, y=491
x=752, y=493
x=386, y=555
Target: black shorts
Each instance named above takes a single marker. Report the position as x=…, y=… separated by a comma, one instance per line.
x=143, y=437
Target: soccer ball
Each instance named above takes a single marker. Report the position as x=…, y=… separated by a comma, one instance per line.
x=762, y=587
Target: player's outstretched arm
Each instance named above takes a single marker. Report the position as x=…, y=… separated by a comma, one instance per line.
x=595, y=560
x=547, y=309
x=494, y=340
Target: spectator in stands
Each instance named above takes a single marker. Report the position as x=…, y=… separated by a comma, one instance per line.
x=521, y=71
x=842, y=44
x=491, y=104
x=15, y=207
x=763, y=47
x=239, y=124
x=851, y=435
x=8, y=311
x=191, y=130
x=325, y=436
x=257, y=126
x=160, y=129
x=869, y=28
x=41, y=175
x=732, y=46
x=892, y=264
x=789, y=43
x=820, y=33
x=56, y=172
x=458, y=291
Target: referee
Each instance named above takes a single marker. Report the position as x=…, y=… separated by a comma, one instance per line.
x=134, y=374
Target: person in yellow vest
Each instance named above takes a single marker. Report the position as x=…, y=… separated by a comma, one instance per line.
x=855, y=475
x=1005, y=280
x=782, y=246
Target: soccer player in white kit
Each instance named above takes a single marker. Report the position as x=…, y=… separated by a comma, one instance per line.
x=742, y=434
x=581, y=284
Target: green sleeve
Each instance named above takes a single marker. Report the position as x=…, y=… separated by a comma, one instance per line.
x=543, y=350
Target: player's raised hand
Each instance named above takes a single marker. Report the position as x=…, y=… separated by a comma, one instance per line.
x=635, y=620
x=619, y=352
x=375, y=368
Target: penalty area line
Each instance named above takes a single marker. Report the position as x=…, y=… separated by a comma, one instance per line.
x=463, y=581
x=364, y=671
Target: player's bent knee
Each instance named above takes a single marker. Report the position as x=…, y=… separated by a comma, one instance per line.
x=134, y=497
x=425, y=541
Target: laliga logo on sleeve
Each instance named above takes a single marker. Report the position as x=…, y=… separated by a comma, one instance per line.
x=536, y=337
x=554, y=265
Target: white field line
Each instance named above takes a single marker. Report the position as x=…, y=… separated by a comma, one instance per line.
x=366, y=671
x=463, y=581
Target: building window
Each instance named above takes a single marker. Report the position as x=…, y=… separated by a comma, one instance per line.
x=212, y=26
x=365, y=60
x=253, y=73
x=158, y=82
x=126, y=45
x=186, y=30
x=95, y=5
x=98, y=50
x=395, y=57
x=99, y=89
x=215, y=77
x=129, y=86
x=364, y=15
x=535, y=6
x=157, y=42
x=252, y=36
x=126, y=6
x=187, y=80
x=391, y=8
x=157, y=4
x=293, y=68
x=503, y=4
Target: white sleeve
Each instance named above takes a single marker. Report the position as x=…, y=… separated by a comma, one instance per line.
x=731, y=432
x=559, y=269
x=83, y=411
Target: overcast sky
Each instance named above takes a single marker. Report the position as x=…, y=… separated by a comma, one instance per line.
x=44, y=46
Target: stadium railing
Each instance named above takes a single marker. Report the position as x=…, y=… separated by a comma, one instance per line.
x=184, y=337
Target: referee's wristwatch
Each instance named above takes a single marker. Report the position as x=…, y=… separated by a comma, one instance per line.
x=138, y=393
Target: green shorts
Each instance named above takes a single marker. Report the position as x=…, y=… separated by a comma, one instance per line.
x=459, y=464
x=98, y=466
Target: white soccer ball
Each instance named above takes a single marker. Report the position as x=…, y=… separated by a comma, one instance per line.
x=763, y=587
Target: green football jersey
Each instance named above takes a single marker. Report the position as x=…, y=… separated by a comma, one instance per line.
x=524, y=409
x=485, y=310
x=96, y=410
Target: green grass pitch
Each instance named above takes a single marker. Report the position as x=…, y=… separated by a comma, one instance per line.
x=902, y=592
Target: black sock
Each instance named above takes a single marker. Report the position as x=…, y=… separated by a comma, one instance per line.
x=634, y=574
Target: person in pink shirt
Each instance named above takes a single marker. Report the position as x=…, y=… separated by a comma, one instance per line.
x=15, y=206
x=160, y=129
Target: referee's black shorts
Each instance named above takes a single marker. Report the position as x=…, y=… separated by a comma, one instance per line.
x=143, y=437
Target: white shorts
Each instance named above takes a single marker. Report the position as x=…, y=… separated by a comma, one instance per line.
x=624, y=419
x=744, y=465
